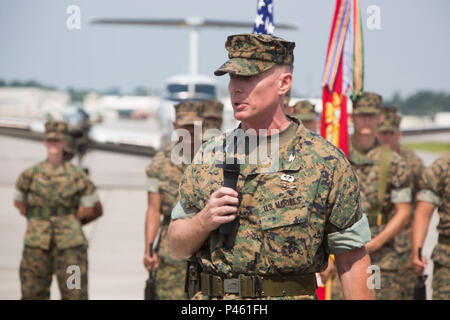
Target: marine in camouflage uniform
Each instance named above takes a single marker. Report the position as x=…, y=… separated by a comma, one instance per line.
x=212, y=116
x=389, y=134
x=435, y=191
x=290, y=215
x=305, y=111
x=163, y=177
x=367, y=165
x=52, y=197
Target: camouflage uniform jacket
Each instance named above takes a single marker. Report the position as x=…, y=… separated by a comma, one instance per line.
x=285, y=215
x=63, y=186
x=398, y=190
x=163, y=177
x=435, y=188
x=415, y=164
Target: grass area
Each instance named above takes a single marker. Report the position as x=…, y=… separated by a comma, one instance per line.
x=436, y=147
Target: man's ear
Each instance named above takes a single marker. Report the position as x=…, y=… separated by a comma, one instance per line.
x=285, y=83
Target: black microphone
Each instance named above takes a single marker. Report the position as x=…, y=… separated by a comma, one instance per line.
x=230, y=178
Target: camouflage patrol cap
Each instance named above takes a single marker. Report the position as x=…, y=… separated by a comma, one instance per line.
x=250, y=54
x=369, y=102
x=56, y=130
x=391, y=120
x=389, y=110
x=187, y=112
x=212, y=109
x=304, y=110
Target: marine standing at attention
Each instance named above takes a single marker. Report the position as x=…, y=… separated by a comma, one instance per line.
x=389, y=134
x=434, y=193
x=57, y=198
x=163, y=177
x=385, y=182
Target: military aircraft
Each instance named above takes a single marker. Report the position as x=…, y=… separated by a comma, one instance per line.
x=190, y=86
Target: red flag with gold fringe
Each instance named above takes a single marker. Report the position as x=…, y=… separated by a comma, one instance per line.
x=343, y=77
x=344, y=72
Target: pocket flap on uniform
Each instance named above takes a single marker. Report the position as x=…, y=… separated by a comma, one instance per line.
x=282, y=218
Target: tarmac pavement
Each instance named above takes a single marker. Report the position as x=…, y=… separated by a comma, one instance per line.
x=116, y=240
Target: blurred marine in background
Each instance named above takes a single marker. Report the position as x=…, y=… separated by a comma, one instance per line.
x=434, y=193
x=163, y=177
x=305, y=111
x=57, y=198
x=385, y=182
x=389, y=134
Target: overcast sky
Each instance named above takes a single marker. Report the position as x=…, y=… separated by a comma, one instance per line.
x=410, y=51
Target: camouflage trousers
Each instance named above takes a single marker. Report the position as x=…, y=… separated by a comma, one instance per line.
x=38, y=266
x=389, y=287
x=441, y=282
x=406, y=277
x=170, y=280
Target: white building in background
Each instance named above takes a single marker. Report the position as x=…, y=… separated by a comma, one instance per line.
x=442, y=118
x=28, y=102
x=412, y=122
x=115, y=107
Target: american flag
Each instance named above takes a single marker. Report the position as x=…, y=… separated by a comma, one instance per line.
x=264, y=17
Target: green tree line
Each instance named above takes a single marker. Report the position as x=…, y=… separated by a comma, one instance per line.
x=423, y=102
x=77, y=95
